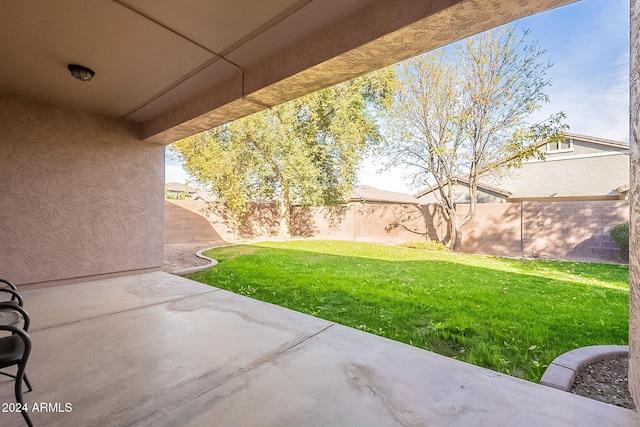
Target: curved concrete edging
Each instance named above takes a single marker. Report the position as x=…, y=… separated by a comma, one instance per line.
x=199, y=254
x=562, y=372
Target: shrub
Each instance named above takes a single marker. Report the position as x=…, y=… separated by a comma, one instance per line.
x=428, y=245
x=620, y=234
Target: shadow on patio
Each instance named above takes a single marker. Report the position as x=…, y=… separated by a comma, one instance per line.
x=156, y=349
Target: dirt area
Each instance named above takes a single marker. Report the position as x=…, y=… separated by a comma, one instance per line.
x=183, y=255
x=605, y=381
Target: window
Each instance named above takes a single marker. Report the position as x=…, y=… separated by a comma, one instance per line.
x=564, y=145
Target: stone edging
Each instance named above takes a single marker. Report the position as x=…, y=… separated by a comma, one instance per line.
x=562, y=372
x=190, y=270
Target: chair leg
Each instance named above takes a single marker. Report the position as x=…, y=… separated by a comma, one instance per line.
x=27, y=419
x=27, y=382
x=7, y=374
x=19, y=398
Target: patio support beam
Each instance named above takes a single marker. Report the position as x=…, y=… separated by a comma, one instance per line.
x=380, y=34
x=634, y=202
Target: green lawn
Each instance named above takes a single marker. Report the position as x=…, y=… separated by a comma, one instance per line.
x=512, y=316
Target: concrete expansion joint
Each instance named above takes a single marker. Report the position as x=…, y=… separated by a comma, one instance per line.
x=256, y=364
x=55, y=325
x=561, y=373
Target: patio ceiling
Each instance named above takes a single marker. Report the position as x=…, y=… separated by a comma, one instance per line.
x=183, y=66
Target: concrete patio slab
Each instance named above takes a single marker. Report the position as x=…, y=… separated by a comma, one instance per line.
x=343, y=377
x=81, y=301
x=216, y=358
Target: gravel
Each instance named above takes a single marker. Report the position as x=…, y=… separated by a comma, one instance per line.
x=183, y=255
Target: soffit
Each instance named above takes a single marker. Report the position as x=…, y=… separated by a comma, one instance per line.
x=216, y=25
x=128, y=53
x=234, y=54
x=148, y=56
x=183, y=66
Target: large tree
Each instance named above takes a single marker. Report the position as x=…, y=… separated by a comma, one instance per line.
x=463, y=111
x=304, y=152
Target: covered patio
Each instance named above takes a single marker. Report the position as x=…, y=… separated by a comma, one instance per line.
x=156, y=349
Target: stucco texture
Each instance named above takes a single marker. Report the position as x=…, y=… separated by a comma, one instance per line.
x=634, y=201
x=577, y=177
x=80, y=195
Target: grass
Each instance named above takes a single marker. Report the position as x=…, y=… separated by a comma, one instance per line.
x=510, y=315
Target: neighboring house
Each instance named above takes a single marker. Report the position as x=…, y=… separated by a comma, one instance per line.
x=486, y=193
x=175, y=190
x=577, y=168
x=363, y=194
x=205, y=196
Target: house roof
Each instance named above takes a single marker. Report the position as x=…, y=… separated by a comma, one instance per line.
x=180, y=67
x=551, y=181
x=596, y=140
x=623, y=189
x=567, y=135
x=365, y=193
x=465, y=181
x=595, y=169
x=205, y=196
x=177, y=187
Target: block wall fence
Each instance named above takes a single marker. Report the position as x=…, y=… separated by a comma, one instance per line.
x=557, y=230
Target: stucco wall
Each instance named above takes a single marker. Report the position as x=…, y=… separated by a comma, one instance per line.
x=185, y=222
x=573, y=230
x=379, y=223
x=495, y=229
x=385, y=223
x=557, y=230
x=461, y=195
x=80, y=195
x=591, y=176
x=372, y=223
x=634, y=241
x=581, y=148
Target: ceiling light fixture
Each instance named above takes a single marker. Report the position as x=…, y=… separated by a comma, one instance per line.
x=81, y=73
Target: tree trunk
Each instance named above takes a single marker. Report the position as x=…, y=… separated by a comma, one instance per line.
x=473, y=200
x=457, y=243
x=284, y=215
x=452, y=228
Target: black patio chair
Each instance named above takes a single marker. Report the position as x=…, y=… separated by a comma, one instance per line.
x=8, y=287
x=9, y=316
x=9, y=284
x=16, y=298
x=15, y=350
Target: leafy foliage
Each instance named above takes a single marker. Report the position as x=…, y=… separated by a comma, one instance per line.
x=620, y=235
x=304, y=152
x=461, y=113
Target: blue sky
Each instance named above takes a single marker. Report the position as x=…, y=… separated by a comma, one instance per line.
x=588, y=43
